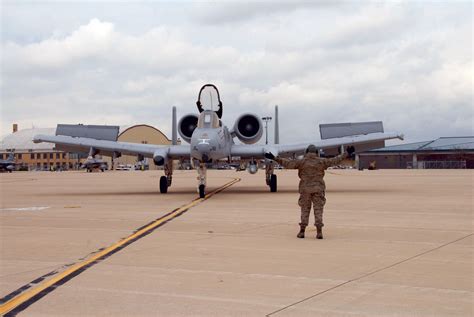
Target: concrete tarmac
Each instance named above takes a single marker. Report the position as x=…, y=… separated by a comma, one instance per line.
x=397, y=243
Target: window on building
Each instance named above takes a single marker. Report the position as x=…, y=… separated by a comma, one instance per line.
x=58, y=156
x=51, y=155
x=1, y=156
x=32, y=156
x=45, y=155
x=64, y=155
x=20, y=156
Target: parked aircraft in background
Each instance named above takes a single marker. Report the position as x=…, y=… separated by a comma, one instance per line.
x=209, y=140
x=8, y=165
x=92, y=163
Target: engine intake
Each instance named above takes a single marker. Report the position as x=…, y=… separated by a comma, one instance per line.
x=248, y=128
x=186, y=126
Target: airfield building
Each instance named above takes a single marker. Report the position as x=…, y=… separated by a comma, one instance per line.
x=445, y=152
x=44, y=156
x=144, y=134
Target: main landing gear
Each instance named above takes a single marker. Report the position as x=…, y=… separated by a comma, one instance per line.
x=165, y=181
x=270, y=177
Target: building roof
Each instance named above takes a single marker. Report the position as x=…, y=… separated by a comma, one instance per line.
x=441, y=144
x=22, y=140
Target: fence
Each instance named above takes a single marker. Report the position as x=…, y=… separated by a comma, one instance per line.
x=438, y=165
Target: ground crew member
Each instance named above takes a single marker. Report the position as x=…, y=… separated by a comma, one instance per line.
x=312, y=187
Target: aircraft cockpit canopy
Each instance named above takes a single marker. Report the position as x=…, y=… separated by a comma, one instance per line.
x=208, y=119
x=209, y=99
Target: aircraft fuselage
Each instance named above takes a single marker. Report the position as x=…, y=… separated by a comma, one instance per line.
x=211, y=140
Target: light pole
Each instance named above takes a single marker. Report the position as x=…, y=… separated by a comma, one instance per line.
x=266, y=119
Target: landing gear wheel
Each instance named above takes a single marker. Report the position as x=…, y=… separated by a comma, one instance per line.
x=273, y=183
x=202, y=191
x=163, y=184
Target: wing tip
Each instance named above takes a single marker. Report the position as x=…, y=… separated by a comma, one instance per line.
x=37, y=139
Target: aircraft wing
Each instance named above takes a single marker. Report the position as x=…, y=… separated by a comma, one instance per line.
x=258, y=151
x=84, y=144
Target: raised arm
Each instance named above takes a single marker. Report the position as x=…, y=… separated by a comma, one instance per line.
x=335, y=160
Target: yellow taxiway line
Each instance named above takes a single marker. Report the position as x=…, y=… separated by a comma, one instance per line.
x=76, y=268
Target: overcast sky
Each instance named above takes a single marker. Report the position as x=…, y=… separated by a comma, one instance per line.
x=406, y=63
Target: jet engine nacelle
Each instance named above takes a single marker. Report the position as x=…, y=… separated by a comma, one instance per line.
x=186, y=126
x=160, y=157
x=248, y=128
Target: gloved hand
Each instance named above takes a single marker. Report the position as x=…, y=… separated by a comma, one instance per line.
x=270, y=156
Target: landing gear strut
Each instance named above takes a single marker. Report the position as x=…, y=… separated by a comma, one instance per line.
x=165, y=181
x=271, y=178
x=202, y=170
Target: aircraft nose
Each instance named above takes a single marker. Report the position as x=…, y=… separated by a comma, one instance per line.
x=204, y=148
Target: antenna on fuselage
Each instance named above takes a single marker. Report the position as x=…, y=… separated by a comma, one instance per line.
x=276, y=137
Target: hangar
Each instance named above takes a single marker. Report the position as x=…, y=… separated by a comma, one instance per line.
x=144, y=134
x=43, y=156
x=444, y=152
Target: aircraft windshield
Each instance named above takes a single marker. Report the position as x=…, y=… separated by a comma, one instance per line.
x=208, y=119
x=209, y=99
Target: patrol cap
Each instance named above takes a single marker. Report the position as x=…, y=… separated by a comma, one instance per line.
x=312, y=149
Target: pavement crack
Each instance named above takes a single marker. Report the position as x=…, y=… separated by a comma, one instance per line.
x=368, y=274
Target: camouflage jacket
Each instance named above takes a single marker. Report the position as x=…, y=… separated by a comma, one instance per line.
x=311, y=170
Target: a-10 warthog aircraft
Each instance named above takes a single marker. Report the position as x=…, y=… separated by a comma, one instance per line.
x=209, y=141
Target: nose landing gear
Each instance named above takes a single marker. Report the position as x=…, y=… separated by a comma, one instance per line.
x=202, y=191
x=202, y=170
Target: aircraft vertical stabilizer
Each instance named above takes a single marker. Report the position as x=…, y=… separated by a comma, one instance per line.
x=174, y=132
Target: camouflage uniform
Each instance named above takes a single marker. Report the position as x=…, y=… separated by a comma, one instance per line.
x=312, y=187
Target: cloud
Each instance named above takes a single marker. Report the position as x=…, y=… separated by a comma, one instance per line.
x=88, y=41
x=231, y=12
x=372, y=62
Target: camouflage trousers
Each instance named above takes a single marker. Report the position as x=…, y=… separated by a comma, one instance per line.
x=317, y=200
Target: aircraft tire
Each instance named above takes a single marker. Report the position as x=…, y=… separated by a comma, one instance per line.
x=202, y=191
x=273, y=183
x=163, y=185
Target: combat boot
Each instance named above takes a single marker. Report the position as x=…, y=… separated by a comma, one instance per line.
x=319, y=232
x=301, y=233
